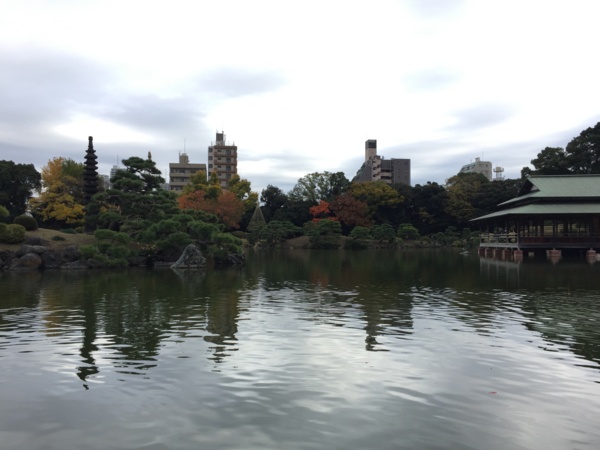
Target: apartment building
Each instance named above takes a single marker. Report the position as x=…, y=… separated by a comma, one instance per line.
x=377, y=168
x=222, y=159
x=181, y=172
x=482, y=167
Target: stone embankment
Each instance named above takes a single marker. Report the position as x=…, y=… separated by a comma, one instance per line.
x=36, y=254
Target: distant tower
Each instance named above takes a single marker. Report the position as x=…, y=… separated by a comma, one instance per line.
x=499, y=173
x=370, y=149
x=90, y=179
x=222, y=159
x=90, y=172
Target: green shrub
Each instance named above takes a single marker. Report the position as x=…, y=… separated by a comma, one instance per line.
x=2, y=228
x=79, y=230
x=88, y=251
x=68, y=231
x=359, y=232
x=407, y=231
x=13, y=234
x=104, y=234
x=27, y=221
x=58, y=238
x=3, y=213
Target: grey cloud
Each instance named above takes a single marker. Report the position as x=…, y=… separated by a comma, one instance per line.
x=481, y=116
x=44, y=85
x=237, y=82
x=151, y=112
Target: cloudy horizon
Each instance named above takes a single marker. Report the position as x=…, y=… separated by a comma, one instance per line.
x=298, y=86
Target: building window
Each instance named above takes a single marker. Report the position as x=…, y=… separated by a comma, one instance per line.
x=210, y=166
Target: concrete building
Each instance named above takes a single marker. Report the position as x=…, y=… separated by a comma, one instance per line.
x=377, y=168
x=482, y=167
x=180, y=173
x=222, y=159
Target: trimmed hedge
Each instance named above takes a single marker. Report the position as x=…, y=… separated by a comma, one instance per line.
x=13, y=234
x=27, y=221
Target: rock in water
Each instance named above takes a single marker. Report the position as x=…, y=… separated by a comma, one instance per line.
x=190, y=258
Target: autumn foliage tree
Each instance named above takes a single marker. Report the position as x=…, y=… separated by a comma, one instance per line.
x=208, y=196
x=351, y=212
x=61, y=201
x=227, y=207
x=321, y=211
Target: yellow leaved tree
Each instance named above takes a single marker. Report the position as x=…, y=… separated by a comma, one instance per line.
x=61, y=200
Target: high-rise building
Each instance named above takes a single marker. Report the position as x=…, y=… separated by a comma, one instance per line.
x=222, y=159
x=377, y=168
x=180, y=173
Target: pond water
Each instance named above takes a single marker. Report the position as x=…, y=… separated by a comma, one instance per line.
x=305, y=350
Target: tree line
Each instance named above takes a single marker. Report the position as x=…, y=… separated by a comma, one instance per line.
x=320, y=204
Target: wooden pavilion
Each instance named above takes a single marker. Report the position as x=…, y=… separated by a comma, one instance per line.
x=551, y=213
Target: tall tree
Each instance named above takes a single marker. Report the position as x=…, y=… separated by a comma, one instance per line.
x=242, y=189
x=351, y=212
x=61, y=201
x=273, y=199
x=583, y=152
x=462, y=190
x=383, y=200
x=550, y=161
x=134, y=201
x=227, y=207
x=318, y=186
x=17, y=184
x=429, y=208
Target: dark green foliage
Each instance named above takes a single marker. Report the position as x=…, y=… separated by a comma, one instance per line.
x=58, y=238
x=294, y=211
x=17, y=184
x=68, y=231
x=359, y=238
x=407, y=232
x=4, y=214
x=550, y=161
x=13, y=234
x=111, y=250
x=583, y=152
x=273, y=199
x=274, y=233
x=27, y=221
x=361, y=233
x=326, y=234
x=135, y=201
x=428, y=208
x=316, y=186
x=581, y=156
x=385, y=233
x=222, y=248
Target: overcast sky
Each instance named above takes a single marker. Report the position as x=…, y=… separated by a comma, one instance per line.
x=298, y=86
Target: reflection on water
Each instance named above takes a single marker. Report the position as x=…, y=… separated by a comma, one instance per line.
x=299, y=349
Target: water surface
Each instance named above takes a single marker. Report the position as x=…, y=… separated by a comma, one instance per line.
x=304, y=350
